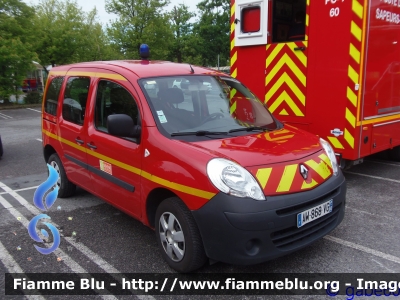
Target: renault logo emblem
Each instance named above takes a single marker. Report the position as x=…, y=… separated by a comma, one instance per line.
x=304, y=171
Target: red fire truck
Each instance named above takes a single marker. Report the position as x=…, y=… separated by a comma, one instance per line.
x=338, y=77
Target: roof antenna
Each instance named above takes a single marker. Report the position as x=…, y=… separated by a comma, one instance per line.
x=191, y=69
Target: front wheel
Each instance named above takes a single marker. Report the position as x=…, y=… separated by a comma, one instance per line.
x=178, y=236
x=65, y=187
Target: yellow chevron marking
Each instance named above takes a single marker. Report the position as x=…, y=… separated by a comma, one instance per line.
x=275, y=138
x=234, y=73
x=284, y=112
x=284, y=97
x=326, y=159
x=285, y=78
x=350, y=117
x=354, y=53
x=292, y=66
x=357, y=8
x=234, y=58
x=353, y=74
x=320, y=168
x=263, y=176
x=356, y=31
x=233, y=108
x=307, y=19
x=232, y=44
x=233, y=27
x=233, y=7
x=335, y=142
x=299, y=54
x=232, y=94
x=349, y=138
x=274, y=53
x=287, y=178
x=351, y=96
x=306, y=185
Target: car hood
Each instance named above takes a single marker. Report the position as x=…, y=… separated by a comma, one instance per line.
x=283, y=161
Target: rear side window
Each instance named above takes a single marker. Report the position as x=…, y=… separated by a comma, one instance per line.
x=112, y=98
x=53, y=91
x=250, y=21
x=75, y=99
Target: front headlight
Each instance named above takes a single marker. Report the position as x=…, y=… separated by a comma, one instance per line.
x=331, y=154
x=233, y=179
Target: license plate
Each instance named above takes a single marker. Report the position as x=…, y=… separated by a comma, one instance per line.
x=314, y=213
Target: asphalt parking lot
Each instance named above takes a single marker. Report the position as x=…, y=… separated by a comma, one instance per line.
x=97, y=238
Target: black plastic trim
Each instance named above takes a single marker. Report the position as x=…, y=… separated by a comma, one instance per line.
x=102, y=174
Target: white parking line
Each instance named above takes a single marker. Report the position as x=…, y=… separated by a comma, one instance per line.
x=371, y=176
x=40, y=140
x=100, y=262
x=5, y=116
x=382, y=163
x=34, y=110
x=13, y=267
x=363, y=249
x=20, y=190
x=66, y=259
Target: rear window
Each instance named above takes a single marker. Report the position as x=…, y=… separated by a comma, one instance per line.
x=53, y=91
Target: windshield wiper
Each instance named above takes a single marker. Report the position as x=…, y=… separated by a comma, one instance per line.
x=252, y=128
x=199, y=133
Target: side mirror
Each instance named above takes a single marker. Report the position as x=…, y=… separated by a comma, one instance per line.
x=122, y=125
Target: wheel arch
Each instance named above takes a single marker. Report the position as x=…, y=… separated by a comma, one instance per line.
x=48, y=150
x=154, y=199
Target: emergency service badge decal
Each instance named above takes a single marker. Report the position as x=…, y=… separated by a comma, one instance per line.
x=336, y=132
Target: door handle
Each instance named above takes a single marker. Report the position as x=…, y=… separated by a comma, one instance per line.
x=91, y=146
x=299, y=49
x=80, y=142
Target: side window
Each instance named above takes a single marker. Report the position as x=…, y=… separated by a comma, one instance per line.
x=289, y=21
x=53, y=91
x=250, y=19
x=75, y=99
x=112, y=98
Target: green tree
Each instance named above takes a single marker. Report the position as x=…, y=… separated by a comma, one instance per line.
x=212, y=31
x=182, y=28
x=16, y=55
x=66, y=34
x=140, y=21
x=96, y=43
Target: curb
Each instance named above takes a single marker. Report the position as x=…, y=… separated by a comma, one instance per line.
x=20, y=106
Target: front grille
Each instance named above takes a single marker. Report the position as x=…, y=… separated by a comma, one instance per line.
x=294, y=237
x=309, y=204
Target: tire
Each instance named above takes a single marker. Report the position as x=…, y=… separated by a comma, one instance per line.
x=394, y=153
x=186, y=252
x=66, y=187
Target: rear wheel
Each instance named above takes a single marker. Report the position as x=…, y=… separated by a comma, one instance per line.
x=65, y=187
x=394, y=153
x=178, y=236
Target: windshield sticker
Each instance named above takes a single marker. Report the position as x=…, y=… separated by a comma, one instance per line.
x=106, y=167
x=161, y=116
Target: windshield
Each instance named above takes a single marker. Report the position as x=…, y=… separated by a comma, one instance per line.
x=202, y=104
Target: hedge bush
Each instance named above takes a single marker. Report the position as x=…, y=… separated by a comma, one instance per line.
x=33, y=98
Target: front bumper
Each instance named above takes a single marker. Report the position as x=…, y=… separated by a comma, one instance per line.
x=245, y=231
